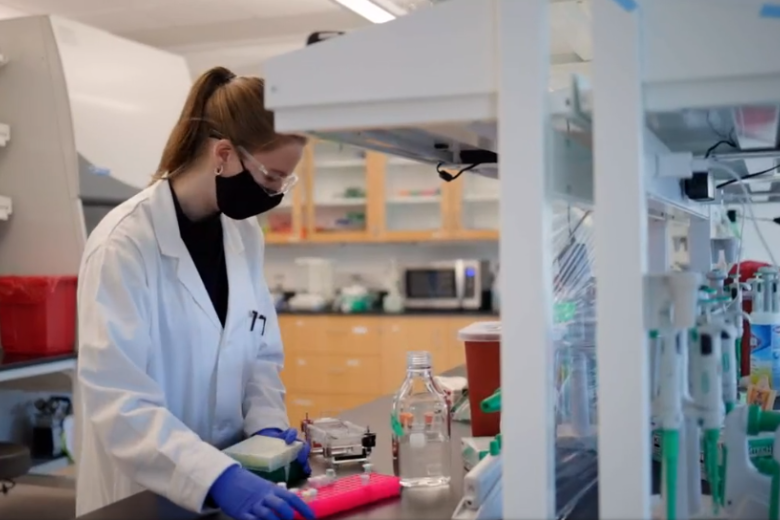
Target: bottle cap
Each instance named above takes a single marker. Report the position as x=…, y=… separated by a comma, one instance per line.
x=418, y=359
x=495, y=449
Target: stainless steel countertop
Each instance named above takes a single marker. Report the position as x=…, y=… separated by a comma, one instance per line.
x=415, y=504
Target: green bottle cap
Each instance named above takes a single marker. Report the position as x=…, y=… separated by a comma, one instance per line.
x=495, y=449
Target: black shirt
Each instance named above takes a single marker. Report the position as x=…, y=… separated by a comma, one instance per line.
x=204, y=242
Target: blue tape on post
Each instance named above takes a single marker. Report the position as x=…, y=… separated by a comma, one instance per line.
x=628, y=5
x=770, y=11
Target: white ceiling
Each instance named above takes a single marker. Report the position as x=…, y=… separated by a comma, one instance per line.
x=178, y=23
x=241, y=34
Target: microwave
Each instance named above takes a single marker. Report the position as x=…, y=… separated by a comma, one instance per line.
x=445, y=285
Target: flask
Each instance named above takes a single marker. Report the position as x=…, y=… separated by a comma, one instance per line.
x=421, y=425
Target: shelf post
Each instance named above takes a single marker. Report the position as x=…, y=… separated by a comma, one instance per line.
x=621, y=256
x=526, y=259
x=659, y=245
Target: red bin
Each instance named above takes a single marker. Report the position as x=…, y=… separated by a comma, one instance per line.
x=38, y=314
x=483, y=372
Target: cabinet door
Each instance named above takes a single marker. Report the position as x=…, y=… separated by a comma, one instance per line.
x=404, y=334
x=454, y=350
x=475, y=207
x=293, y=330
x=285, y=223
x=301, y=405
x=334, y=374
x=317, y=406
x=347, y=335
x=410, y=201
x=337, y=193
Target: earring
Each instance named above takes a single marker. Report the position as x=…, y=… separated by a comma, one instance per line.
x=218, y=171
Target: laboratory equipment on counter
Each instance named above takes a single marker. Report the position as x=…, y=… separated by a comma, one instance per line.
x=483, y=370
x=421, y=422
x=269, y=458
x=473, y=450
x=319, y=289
x=355, y=297
x=328, y=495
x=338, y=441
x=48, y=438
x=452, y=284
x=393, y=301
x=482, y=488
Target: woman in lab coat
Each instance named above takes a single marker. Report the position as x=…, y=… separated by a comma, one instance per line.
x=179, y=343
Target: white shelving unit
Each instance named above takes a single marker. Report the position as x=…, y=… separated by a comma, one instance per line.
x=337, y=169
x=663, y=71
x=412, y=196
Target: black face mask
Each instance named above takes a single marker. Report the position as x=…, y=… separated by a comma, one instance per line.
x=240, y=196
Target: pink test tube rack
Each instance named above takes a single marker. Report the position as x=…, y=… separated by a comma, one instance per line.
x=348, y=493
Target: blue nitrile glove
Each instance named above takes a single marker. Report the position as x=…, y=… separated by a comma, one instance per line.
x=244, y=496
x=289, y=436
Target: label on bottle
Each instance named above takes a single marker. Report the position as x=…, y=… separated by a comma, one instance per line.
x=765, y=355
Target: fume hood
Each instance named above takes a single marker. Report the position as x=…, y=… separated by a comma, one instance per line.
x=90, y=114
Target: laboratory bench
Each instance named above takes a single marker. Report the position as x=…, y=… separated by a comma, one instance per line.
x=14, y=367
x=414, y=504
x=336, y=362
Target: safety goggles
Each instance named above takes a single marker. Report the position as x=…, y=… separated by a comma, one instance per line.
x=274, y=183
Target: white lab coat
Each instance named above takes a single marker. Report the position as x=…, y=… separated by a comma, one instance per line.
x=161, y=385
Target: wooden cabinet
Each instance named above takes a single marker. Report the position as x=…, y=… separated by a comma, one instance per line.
x=285, y=223
x=347, y=195
x=335, y=363
x=337, y=193
x=475, y=208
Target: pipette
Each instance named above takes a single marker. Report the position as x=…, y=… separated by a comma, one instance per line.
x=671, y=312
x=736, y=317
x=669, y=413
x=772, y=295
x=706, y=394
x=759, y=300
x=716, y=278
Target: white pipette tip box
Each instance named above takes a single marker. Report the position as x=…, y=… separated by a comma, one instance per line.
x=266, y=455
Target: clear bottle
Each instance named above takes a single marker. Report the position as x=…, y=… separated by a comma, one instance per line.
x=421, y=427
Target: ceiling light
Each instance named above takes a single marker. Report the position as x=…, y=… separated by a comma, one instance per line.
x=368, y=9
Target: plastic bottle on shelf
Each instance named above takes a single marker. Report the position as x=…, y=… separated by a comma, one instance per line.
x=765, y=329
x=421, y=427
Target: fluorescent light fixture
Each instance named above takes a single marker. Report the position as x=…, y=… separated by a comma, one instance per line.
x=368, y=9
